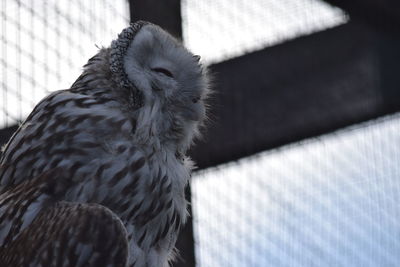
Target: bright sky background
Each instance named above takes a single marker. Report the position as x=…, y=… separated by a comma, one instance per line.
x=328, y=201
x=44, y=45
x=222, y=29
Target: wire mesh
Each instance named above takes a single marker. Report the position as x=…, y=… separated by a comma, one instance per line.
x=303, y=205
x=329, y=201
x=223, y=29
x=45, y=43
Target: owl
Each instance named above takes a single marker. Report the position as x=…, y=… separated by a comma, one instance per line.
x=95, y=176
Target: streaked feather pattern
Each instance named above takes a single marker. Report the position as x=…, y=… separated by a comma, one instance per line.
x=95, y=176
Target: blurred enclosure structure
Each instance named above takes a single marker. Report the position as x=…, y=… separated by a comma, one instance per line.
x=300, y=164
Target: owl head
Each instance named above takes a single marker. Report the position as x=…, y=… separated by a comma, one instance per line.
x=167, y=83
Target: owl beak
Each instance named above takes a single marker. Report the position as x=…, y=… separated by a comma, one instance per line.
x=195, y=114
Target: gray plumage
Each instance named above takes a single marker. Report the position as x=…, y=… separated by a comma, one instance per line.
x=95, y=176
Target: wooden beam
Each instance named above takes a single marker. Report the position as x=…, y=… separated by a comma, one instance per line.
x=166, y=13
x=303, y=88
x=383, y=15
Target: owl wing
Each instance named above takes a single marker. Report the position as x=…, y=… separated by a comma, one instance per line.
x=37, y=229
x=70, y=234
x=22, y=142
x=66, y=129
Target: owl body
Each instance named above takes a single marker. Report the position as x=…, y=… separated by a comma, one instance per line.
x=111, y=147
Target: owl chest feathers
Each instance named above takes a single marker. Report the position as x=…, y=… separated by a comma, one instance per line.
x=109, y=160
x=144, y=186
x=137, y=175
